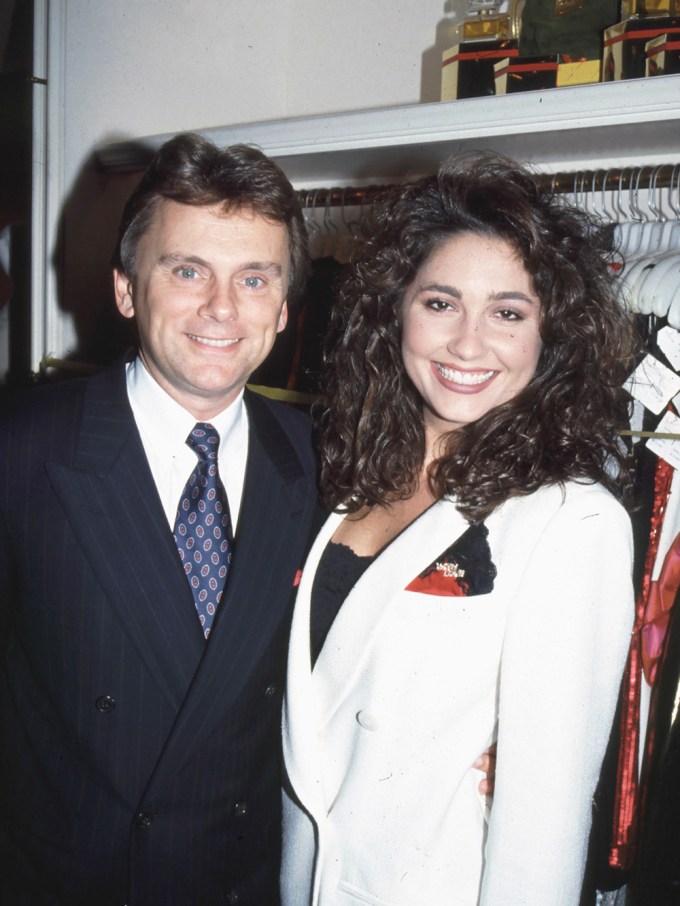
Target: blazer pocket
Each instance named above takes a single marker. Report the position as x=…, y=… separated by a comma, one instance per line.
x=464, y=569
x=353, y=894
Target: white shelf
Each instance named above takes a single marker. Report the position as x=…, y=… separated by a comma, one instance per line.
x=604, y=125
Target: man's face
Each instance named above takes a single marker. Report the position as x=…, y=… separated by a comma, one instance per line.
x=209, y=297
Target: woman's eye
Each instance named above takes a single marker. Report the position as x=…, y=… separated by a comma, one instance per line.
x=438, y=304
x=507, y=314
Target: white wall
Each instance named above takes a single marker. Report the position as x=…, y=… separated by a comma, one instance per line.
x=137, y=67
x=154, y=66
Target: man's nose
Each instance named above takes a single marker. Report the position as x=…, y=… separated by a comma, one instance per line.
x=220, y=303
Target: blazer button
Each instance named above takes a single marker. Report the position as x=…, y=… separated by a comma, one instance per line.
x=367, y=720
x=240, y=809
x=105, y=704
x=271, y=690
x=143, y=819
x=232, y=897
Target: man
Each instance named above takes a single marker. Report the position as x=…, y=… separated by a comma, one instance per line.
x=139, y=726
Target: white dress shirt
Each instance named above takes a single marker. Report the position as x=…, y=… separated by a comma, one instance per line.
x=164, y=426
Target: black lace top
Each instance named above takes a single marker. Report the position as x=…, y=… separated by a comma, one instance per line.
x=338, y=572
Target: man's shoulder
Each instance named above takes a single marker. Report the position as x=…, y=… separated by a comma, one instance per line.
x=29, y=403
x=49, y=405
x=297, y=425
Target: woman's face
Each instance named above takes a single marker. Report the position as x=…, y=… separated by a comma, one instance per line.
x=470, y=330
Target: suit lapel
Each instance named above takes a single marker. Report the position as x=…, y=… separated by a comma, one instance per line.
x=110, y=499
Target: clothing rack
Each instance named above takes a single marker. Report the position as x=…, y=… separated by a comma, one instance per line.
x=613, y=179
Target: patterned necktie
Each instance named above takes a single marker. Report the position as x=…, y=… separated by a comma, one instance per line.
x=203, y=528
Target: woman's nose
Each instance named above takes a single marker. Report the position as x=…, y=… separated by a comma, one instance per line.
x=466, y=340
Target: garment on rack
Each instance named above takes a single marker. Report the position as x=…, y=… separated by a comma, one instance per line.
x=626, y=811
x=656, y=878
x=295, y=362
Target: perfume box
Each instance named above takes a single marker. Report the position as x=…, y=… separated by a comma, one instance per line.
x=630, y=8
x=663, y=56
x=538, y=73
x=625, y=43
x=468, y=68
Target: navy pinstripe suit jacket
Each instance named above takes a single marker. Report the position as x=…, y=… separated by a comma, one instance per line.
x=138, y=765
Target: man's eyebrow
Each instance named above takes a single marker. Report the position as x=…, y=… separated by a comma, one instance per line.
x=273, y=266
x=172, y=258
x=177, y=258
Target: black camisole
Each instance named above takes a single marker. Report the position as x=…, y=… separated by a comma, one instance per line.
x=338, y=572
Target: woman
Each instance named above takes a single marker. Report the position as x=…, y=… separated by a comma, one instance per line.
x=473, y=581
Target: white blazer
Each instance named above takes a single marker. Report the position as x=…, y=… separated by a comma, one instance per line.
x=381, y=803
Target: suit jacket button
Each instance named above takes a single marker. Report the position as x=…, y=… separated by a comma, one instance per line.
x=105, y=704
x=271, y=690
x=143, y=819
x=367, y=720
x=240, y=809
x=232, y=897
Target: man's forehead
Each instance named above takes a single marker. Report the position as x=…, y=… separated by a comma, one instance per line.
x=175, y=222
x=167, y=209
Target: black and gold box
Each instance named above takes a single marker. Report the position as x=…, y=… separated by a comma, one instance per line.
x=535, y=73
x=662, y=56
x=625, y=44
x=468, y=68
x=487, y=36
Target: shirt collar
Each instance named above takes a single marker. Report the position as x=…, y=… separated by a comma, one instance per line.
x=167, y=424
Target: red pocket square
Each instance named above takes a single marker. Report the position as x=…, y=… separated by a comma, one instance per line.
x=441, y=581
x=463, y=570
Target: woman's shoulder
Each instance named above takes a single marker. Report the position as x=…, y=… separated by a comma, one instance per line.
x=579, y=517
x=566, y=500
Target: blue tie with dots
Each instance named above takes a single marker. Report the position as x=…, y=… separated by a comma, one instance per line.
x=203, y=528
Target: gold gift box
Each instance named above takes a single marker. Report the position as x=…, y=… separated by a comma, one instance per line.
x=539, y=73
x=487, y=28
x=630, y=8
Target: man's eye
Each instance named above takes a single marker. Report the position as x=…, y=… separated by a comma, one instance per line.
x=188, y=273
x=253, y=282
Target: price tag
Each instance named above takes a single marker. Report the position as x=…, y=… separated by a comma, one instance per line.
x=653, y=384
x=668, y=339
x=663, y=447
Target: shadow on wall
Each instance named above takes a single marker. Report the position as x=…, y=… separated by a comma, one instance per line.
x=431, y=60
x=87, y=233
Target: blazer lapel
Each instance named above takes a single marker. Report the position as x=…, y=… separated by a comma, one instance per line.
x=301, y=720
x=313, y=697
x=358, y=621
x=110, y=499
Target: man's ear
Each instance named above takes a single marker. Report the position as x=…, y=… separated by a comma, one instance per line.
x=122, y=287
x=283, y=317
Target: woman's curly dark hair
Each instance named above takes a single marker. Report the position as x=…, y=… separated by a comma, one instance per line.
x=564, y=424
